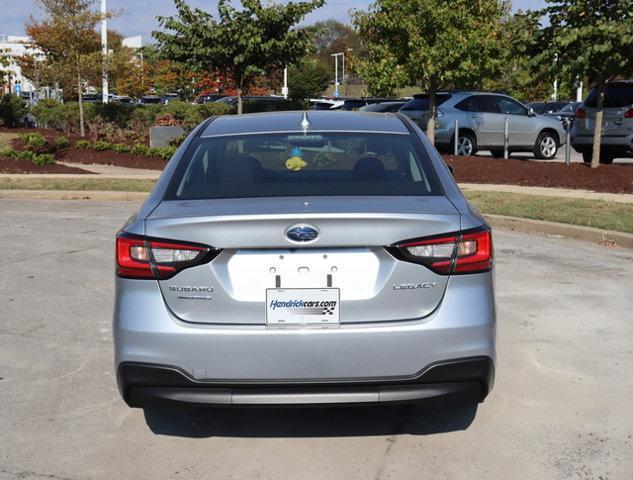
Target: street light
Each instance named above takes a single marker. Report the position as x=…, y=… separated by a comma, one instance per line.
x=104, y=51
x=336, y=55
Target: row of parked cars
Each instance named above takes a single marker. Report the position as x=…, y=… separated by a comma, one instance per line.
x=537, y=127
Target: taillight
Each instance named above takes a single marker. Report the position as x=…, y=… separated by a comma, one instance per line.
x=629, y=113
x=581, y=113
x=139, y=257
x=467, y=252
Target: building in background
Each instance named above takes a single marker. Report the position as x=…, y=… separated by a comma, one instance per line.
x=15, y=46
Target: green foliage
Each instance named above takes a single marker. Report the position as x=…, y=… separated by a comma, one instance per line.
x=432, y=43
x=140, y=149
x=120, y=148
x=33, y=140
x=593, y=39
x=36, y=158
x=307, y=79
x=144, y=117
x=176, y=141
x=101, y=146
x=243, y=43
x=61, y=142
x=12, y=110
x=323, y=160
x=83, y=144
x=162, y=152
x=43, y=159
x=50, y=113
x=113, y=112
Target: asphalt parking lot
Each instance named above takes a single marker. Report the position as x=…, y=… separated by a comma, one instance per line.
x=562, y=406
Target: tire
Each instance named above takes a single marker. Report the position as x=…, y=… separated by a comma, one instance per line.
x=586, y=156
x=606, y=158
x=497, y=153
x=466, y=144
x=546, y=146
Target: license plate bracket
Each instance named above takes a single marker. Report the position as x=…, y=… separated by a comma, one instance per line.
x=302, y=306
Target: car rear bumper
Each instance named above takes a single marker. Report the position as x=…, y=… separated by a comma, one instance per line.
x=465, y=380
x=623, y=143
x=225, y=356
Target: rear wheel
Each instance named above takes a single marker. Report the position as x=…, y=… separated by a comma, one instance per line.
x=466, y=144
x=606, y=158
x=546, y=146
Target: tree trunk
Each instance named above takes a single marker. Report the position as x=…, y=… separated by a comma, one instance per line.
x=82, y=131
x=239, y=101
x=430, y=124
x=597, y=129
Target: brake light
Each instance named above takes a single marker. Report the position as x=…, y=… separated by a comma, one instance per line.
x=139, y=257
x=580, y=113
x=629, y=113
x=467, y=252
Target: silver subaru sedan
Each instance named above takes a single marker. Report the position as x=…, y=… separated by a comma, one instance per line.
x=305, y=258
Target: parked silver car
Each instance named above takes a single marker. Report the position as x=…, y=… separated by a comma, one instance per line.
x=305, y=258
x=617, y=123
x=481, y=118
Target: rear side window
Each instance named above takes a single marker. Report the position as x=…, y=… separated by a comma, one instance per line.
x=279, y=165
x=509, y=106
x=479, y=103
x=615, y=96
x=421, y=102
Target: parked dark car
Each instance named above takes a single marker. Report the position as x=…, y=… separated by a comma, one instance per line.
x=150, y=100
x=357, y=103
x=209, y=98
x=567, y=114
x=383, y=107
x=256, y=103
x=168, y=97
x=545, y=108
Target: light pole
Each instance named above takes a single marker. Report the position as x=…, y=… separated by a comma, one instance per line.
x=284, y=90
x=104, y=51
x=336, y=55
x=555, y=79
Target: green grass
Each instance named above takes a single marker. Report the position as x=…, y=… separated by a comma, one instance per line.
x=103, y=184
x=588, y=213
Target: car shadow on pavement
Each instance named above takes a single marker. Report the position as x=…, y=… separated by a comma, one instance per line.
x=308, y=422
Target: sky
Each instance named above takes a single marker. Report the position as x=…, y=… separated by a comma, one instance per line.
x=138, y=17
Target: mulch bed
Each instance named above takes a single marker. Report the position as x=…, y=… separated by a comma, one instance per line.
x=88, y=156
x=615, y=178
x=10, y=165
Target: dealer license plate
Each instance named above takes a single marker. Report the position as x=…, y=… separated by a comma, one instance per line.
x=302, y=306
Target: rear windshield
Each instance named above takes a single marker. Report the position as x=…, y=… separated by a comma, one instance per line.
x=616, y=96
x=279, y=165
x=422, y=102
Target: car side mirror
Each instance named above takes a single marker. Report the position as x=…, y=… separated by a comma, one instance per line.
x=530, y=112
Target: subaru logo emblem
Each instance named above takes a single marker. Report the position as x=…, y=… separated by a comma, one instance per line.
x=302, y=233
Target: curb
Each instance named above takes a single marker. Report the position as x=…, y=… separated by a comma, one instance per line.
x=101, y=195
x=588, y=234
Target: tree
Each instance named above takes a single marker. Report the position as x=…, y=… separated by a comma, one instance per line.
x=518, y=76
x=307, y=79
x=68, y=39
x=433, y=43
x=593, y=39
x=332, y=36
x=241, y=44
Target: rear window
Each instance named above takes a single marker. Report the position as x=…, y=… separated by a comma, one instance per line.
x=616, y=96
x=422, y=102
x=279, y=165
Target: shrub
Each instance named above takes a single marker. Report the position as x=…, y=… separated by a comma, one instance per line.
x=140, y=149
x=143, y=117
x=12, y=110
x=176, y=141
x=24, y=155
x=120, y=148
x=33, y=140
x=213, y=109
x=7, y=153
x=114, y=112
x=83, y=144
x=61, y=142
x=50, y=113
x=43, y=159
x=101, y=146
x=162, y=152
